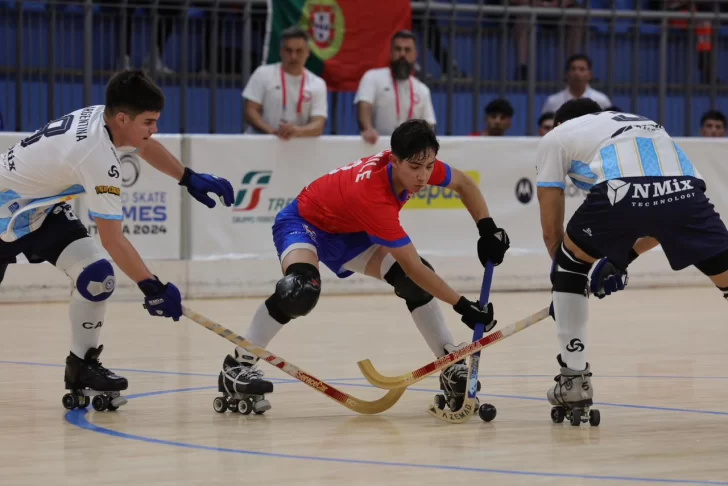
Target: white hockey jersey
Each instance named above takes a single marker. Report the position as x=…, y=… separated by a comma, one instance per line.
x=69, y=156
x=608, y=145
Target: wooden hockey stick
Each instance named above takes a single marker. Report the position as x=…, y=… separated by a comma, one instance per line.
x=350, y=402
x=395, y=382
x=469, y=404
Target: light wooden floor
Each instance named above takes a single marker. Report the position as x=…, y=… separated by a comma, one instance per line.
x=659, y=358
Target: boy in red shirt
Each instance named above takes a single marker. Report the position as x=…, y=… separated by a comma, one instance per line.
x=348, y=220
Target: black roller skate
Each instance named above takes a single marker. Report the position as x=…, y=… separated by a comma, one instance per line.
x=453, y=383
x=572, y=397
x=242, y=386
x=91, y=383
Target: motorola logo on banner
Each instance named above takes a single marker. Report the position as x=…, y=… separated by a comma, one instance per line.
x=130, y=169
x=524, y=190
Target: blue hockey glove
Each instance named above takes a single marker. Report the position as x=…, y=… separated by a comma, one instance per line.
x=161, y=300
x=198, y=185
x=607, y=278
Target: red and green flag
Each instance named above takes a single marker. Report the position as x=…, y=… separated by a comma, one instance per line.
x=348, y=37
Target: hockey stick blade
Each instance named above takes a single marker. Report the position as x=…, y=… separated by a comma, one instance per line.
x=352, y=403
x=395, y=382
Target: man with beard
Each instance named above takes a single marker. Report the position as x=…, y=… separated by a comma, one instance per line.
x=391, y=95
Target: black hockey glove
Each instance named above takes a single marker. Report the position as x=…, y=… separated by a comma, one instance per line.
x=493, y=242
x=473, y=314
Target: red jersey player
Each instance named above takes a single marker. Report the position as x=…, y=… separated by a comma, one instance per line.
x=348, y=220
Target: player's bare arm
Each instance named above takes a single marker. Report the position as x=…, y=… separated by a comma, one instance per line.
x=121, y=250
x=551, y=201
x=470, y=195
x=254, y=116
x=412, y=265
x=161, y=159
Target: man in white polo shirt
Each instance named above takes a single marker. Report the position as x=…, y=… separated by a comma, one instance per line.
x=578, y=75
x=285, y=98
x=388, y=96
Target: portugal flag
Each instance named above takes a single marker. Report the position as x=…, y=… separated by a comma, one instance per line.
x=348, y=37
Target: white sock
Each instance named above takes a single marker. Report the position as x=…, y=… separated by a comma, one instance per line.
x=263, y=328
x=572, y=313
x=430, y=321
x=86, y=320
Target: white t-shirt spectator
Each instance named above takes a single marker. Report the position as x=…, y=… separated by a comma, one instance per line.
x=555, y=101
x=266, y=87
x=377, y=87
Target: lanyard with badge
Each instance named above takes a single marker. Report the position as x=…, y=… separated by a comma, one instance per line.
x=411, y=111
x=299, y=104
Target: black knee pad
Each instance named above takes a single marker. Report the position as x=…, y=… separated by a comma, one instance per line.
x=296, y=293
x=569, y=274
x=413, y=295
x=714, y=265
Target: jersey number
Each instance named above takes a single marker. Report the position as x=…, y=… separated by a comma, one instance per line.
x=52, y=128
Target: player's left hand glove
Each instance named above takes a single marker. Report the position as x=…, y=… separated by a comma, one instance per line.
x=493, y=242
x=198, y=185
x=161, y=300
x=473, y=314
x=607, y=278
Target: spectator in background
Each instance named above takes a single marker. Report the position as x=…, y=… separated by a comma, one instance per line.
x=285, y=98
x=388, y=96
x=498, y=118
x=2, y=124
x=712, y=124
x=578, y=75
x=545, y=123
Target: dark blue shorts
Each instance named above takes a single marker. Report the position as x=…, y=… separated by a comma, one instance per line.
x=673, y=210
x=334, y=250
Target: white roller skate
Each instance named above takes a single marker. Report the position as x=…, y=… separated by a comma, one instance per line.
x=572, y=397
x=453, y=383
x=242, y=386
x=86, y=378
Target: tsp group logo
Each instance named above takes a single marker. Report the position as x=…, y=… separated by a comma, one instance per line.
x=248, y=197
x=130, y=169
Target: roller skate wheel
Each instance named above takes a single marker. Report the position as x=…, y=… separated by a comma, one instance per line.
x=557, y=415
x=261, y=406
x=440, y=402
x=487, y=412
x=594, y=418
x=100, y=403
x=69, y=401
x=575, y=418
x=219, y=405
x=454, y=404
x=245, y=406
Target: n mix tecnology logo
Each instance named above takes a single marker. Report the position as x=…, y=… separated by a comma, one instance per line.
x=253, y=183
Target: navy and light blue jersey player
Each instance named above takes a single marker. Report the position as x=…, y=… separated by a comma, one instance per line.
x=643, y=191
x=348, y=220
x=78, y=154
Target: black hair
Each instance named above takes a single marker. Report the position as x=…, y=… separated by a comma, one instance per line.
x=614, y=108
x=499, y=106
x=293, y=32
x=412, y=139
x=578, y=57
x=403, y=34
x=712, y=115
x=549, y=115
x=132, y=92
x=576, y=108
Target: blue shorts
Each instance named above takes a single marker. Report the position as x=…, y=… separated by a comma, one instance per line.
x=673, y=210
x=334, y=250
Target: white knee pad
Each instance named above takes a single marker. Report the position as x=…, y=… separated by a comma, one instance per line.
x=85, y=264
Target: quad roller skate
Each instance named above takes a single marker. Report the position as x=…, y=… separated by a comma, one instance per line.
x=572, y=397
x=453, y=383
x=242, y=386
x=91, y=383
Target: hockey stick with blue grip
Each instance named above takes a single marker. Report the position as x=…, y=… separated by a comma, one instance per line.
x=470, y=404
